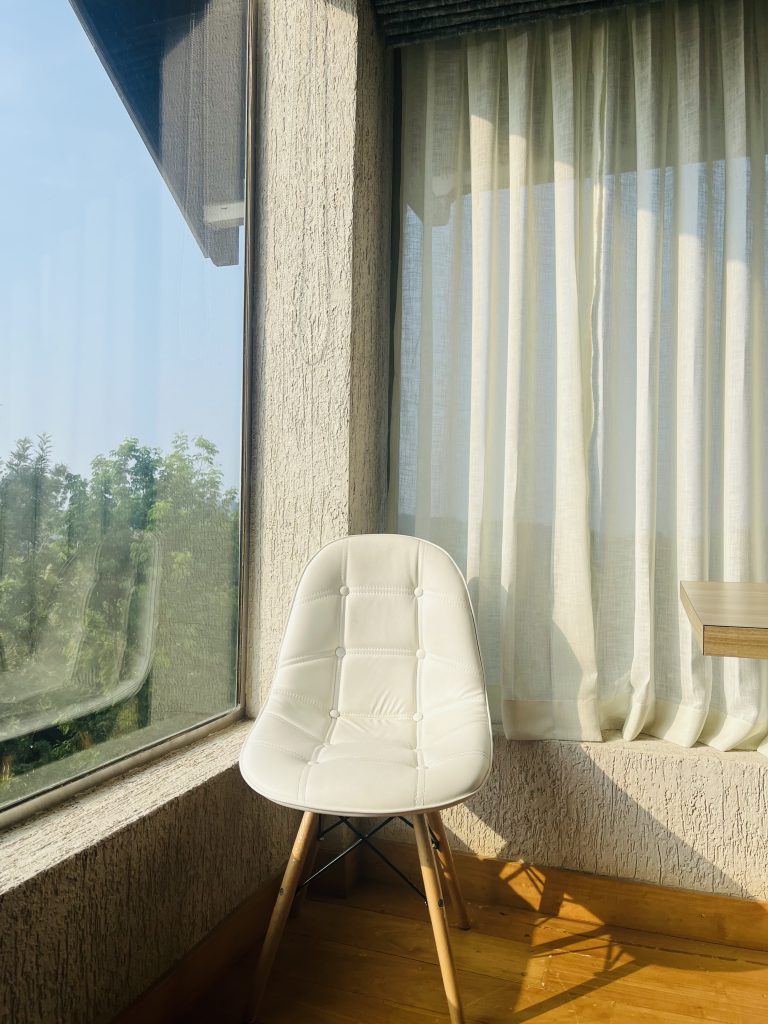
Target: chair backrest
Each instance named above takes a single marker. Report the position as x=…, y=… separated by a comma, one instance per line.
x=394, y=610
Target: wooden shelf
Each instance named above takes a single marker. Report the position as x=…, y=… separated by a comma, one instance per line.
x=729, y=619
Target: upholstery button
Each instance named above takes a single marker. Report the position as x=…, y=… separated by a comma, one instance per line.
x=340, y=652
x=417, y=716
x=418, y=592
x=334, y=713
x=420, y=653
x=343, y=591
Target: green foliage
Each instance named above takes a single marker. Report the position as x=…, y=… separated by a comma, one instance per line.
x=76, y=596
x=32, y=555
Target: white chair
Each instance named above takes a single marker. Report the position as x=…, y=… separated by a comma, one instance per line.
x=377, y=709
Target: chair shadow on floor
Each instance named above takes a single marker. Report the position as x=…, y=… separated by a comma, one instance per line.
x=337, y=954
x=656, y=946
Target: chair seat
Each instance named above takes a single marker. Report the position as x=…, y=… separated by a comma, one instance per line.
x=368, y=766
x=378, y=704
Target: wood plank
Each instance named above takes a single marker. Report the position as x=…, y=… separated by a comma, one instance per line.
x=372, y=958
x=561, y=961
x=225, y=1002
x=540, y=931
x=574, y=896
x=306, y=963
x=549, y=994
x=728, y=604
x=735, y=642
x=728, y=619
x=284, y=1006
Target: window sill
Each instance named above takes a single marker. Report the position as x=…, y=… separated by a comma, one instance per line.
x=88, y=819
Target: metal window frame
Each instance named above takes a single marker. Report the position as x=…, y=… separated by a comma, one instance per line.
x=25, y=807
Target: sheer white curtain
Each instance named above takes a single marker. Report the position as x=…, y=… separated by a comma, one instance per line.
x=581, y=400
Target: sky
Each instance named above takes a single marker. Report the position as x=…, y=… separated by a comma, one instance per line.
x=112, y=323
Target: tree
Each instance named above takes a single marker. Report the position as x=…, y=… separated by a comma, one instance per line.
x=76, y=557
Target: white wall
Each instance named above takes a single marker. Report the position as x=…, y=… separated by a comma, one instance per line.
x=646, y=810
x=322, y=331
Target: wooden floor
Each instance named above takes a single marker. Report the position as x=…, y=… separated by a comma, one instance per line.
x=370, y=959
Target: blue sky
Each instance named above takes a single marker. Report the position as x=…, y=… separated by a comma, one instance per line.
x=112, y=323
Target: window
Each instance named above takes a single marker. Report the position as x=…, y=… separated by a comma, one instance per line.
x=121, y=326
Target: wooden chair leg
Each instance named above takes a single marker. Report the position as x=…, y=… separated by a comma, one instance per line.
x=309, y=867
x=437, y=916
x=293, y=873
x=445, y=859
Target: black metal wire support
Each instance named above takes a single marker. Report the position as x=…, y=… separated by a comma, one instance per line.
x=363, y=838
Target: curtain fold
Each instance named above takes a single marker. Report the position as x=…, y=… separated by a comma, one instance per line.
x=580, y=414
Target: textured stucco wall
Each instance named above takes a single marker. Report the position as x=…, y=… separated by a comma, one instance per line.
x=647, y=810
x=101, y=896
x=320, y=386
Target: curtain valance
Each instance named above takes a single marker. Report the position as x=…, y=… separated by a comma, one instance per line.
x=411, y=21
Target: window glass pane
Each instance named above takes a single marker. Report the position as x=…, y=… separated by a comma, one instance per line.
x=121, y=297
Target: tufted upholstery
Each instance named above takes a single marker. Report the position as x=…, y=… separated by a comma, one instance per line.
x=378, y=704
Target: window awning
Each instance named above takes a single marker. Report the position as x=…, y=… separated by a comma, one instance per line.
x=179, y=68
x=412, y=21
